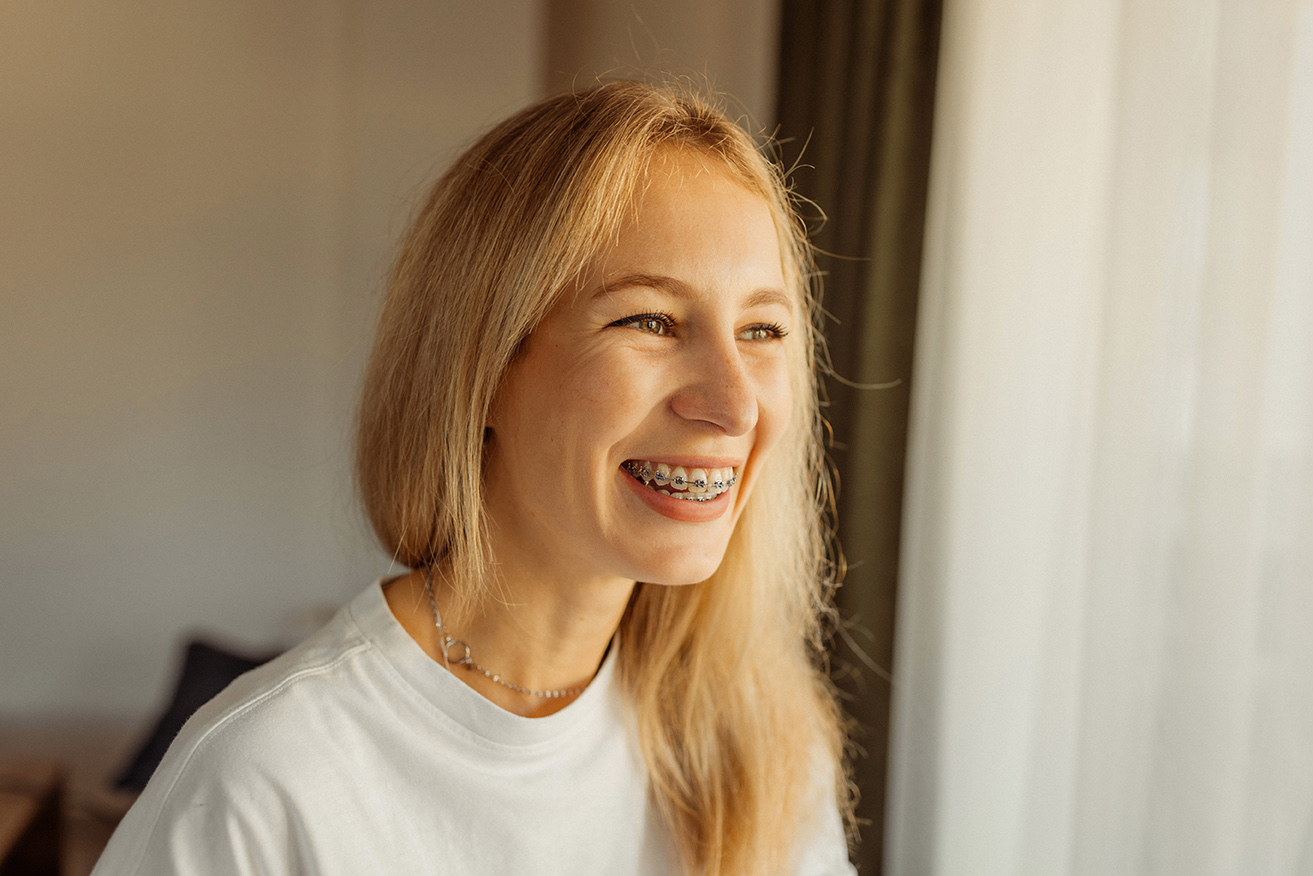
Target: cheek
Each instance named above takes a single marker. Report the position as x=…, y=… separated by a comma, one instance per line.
x=567, y=410
x=776, y=403
x=610, y=389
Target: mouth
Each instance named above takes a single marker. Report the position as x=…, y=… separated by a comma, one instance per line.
x=679, y=482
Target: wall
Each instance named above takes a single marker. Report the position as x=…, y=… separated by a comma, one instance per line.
x=732, y=44
x=196, y=206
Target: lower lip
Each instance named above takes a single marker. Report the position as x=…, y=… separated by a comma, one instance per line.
x=684, y=510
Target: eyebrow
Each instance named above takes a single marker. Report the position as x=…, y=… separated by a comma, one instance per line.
x=679, y=289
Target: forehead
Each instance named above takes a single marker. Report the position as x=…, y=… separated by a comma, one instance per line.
x=682, y=163
x=693, y=220
x=683, y=172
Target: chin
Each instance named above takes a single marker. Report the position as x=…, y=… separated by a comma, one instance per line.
x=685, y=571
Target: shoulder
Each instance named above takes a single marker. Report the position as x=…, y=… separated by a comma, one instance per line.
x=218, y=801
x=823, y=841
x=278, y=703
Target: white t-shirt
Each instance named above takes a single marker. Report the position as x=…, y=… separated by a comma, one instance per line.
x=355, y=753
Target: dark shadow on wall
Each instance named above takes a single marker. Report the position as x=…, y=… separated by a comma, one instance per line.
x=856, y=98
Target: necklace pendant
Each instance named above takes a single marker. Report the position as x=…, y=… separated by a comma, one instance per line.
x=460, y=656
x=456, y=653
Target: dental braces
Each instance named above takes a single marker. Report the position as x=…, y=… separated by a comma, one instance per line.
x=645, y=474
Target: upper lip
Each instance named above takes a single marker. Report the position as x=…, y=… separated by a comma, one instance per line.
x=693, y=461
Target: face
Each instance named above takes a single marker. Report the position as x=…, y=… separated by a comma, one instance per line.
x=629, y=433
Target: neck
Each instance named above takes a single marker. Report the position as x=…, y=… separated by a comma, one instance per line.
x=547, y=634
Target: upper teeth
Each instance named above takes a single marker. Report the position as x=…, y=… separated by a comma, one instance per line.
x=700, y=484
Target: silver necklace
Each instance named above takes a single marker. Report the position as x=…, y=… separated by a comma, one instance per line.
x=451, y=645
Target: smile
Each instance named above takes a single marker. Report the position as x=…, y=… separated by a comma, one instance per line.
x=693, y=485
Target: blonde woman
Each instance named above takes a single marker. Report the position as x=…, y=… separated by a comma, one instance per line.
x=590, y=429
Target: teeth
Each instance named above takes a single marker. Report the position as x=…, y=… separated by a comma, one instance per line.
x=697, y=481
x=698, y=484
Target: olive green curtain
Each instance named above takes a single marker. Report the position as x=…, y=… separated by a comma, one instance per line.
x=856, y=92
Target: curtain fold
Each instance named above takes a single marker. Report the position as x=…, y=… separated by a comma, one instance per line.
x=1104, y=659
x=856, y=90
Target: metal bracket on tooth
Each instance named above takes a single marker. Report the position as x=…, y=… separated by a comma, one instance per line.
x=645, y=475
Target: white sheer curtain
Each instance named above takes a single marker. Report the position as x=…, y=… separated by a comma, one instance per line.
x=1105, y=662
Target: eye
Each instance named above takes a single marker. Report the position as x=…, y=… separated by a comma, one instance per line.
x=763, y=332
x=651, y=323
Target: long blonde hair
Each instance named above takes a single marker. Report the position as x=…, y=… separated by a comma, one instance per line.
x=735, y=715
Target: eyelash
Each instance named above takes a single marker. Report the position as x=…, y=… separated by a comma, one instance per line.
x=666, y=321
x=774, y=330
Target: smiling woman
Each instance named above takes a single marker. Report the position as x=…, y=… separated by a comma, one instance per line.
x=661, y=354
x=590, y=430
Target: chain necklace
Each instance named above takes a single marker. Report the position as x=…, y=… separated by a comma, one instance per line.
x=451, y=645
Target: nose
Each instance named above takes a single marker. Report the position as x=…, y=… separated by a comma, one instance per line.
x=718, y=389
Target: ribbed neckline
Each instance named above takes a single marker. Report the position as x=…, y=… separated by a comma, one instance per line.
x=461, y=703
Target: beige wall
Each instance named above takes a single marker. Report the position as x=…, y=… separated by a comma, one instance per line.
x=196, y=200
x=730, y=43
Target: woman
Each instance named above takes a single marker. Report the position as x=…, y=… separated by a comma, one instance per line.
x=594, y=368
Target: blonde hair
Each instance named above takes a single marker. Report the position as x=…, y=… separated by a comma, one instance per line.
x=735, y=715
